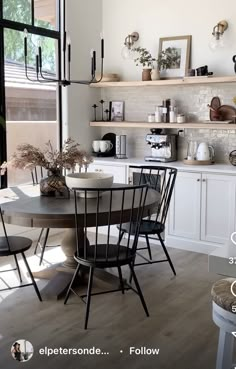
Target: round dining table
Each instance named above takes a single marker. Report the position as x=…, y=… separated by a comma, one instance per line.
x=23, y=206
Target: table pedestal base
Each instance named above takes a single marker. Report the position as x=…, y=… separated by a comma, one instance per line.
x=69, y=246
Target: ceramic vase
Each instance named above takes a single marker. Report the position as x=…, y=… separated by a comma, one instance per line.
x=155, y=74
x=146, y=75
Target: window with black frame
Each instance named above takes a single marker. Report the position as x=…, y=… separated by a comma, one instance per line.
x=30, y=112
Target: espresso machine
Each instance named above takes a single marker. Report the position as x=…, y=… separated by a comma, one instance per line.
x=163, y=146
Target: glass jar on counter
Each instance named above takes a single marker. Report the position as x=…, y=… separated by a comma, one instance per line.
x=151, y=118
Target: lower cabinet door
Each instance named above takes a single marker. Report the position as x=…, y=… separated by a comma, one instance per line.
x=184, y=214
x=218, y=207
x=118, y=171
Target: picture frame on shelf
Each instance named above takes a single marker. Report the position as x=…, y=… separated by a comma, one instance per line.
x=179, y=48
x=117, y=113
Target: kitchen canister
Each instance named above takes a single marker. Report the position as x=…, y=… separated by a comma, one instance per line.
x=151, y=118
x=181, y=118
x=121, y=147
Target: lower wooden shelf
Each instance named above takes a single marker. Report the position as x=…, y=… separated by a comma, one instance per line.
x=199, y=125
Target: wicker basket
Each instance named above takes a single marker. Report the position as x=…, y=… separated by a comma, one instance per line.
x=232, y=157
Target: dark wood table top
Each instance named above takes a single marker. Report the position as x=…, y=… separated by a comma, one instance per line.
x=25, y=207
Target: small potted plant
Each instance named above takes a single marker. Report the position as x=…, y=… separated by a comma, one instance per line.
x=146, y=60
x=164, y=61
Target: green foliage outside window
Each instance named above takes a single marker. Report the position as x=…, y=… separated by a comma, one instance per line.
x=20, y=11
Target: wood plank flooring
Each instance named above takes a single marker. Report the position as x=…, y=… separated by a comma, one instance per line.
x=180, y=322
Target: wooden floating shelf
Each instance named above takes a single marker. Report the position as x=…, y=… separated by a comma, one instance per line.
x=167, y=82
x=201, y=125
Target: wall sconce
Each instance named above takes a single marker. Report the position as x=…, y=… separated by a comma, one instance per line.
x=217, y=41
x=126, y=52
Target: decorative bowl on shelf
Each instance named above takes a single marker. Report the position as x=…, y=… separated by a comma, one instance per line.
x=89, y=180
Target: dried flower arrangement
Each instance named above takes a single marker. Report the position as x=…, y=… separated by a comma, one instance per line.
x=29, y=157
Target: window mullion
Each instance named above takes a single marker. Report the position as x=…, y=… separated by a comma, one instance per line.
x=32, y=12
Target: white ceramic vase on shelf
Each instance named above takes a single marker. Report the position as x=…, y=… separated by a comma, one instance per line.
x=155, y=74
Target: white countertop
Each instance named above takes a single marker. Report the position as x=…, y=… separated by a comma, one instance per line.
x=214, y=168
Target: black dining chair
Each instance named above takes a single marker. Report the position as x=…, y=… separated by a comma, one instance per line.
x=13, y=246
x=161, y=179
x=37, y=174
x=128, y=203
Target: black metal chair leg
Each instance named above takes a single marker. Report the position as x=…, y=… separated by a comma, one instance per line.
x=148, y=247
x=139, y=289
x=32, y=277
x=71, y=284
x=18, y=268
x=90, y=283
x=131, y=275
x=166, y=253
x=39, y=239
x=121, y=280
x=44, y=245
x=120, y=237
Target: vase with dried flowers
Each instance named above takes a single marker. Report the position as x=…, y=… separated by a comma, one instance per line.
x=54, y=161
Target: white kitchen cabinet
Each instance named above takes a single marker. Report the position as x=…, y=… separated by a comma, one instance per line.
x=217, y=207
x=118, y=171
x=184, y=214
x=202, y=211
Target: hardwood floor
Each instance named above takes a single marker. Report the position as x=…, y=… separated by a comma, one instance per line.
x=180, y=322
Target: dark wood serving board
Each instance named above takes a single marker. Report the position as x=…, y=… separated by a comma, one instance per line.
x=222, y=112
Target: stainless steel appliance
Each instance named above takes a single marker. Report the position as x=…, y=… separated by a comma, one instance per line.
x=121, y=147
x=163, y=147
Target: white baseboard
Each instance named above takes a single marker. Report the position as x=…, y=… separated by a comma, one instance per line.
x=191, y=245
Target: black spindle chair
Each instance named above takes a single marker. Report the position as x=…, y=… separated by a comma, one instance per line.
x=119, y=204
x=161, y=179
x=37, y=174
x=13, y=246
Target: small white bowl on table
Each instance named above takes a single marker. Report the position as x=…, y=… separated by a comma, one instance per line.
x=89, y=180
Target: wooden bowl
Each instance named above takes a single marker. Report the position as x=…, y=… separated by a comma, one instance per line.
x=89, y=180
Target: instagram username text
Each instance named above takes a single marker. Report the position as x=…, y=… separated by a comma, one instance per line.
x=47, y=351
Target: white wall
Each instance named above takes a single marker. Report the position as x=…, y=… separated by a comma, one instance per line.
x=156, y=18
x=84, y=19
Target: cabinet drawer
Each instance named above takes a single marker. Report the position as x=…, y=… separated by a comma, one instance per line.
x=118, y=171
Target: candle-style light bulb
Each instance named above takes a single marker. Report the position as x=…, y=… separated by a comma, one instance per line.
x=25, y=42
x=92, y=63
x=40, y=54
x=69, y=49
x=25, y=33
x=102, y=44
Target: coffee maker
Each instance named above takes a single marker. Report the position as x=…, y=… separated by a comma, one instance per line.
x=163, y=146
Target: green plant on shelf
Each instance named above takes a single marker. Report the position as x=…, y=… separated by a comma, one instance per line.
x=166, y=59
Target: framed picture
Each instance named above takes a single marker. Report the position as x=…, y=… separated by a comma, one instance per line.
x=117, y=111
x=179, y=47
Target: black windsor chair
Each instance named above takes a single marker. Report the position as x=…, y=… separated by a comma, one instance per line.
x=13, y=246
x=161, y=179
x=129, y=204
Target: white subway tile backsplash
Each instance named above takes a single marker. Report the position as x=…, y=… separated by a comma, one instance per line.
x=191, y=100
